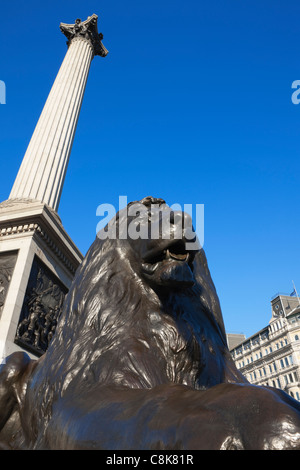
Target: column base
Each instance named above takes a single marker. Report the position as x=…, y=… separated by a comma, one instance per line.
x=38, y=261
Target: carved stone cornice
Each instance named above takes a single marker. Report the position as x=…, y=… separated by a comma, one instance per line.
x=38, y=220
x=37, y=229
x=88, y=30
x=18, y=202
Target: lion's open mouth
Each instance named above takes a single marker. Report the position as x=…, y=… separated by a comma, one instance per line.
x=174, y=252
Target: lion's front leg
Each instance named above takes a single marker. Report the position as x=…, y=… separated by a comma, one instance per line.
x=261, y=418
x=227, y=416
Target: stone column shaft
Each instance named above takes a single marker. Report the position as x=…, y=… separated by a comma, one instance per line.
x=42, y=172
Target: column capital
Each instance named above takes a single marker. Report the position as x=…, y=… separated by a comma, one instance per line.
x=87, y=29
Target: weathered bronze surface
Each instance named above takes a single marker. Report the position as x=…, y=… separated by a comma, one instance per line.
x=139, y=361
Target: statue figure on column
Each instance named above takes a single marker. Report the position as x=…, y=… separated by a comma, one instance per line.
x=88, y=30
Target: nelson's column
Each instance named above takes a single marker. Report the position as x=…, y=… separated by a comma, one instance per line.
x=38, y=259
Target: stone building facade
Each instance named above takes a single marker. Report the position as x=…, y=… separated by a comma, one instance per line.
x=271, y=356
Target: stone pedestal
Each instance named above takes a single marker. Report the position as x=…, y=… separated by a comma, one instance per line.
x=38, y=261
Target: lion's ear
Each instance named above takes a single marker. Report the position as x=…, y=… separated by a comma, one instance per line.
x=209, y=294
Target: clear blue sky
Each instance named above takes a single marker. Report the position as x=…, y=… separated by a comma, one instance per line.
x=192, y=104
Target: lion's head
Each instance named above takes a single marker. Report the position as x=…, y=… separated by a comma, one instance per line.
x=160, y=242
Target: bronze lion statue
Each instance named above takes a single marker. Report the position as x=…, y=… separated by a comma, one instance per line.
x=139, y=359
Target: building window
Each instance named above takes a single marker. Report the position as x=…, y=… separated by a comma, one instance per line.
x=286, y=361
x=278, y=383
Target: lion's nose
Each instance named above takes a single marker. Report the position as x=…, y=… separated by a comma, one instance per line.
x=175, y=224
x=182, y=218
